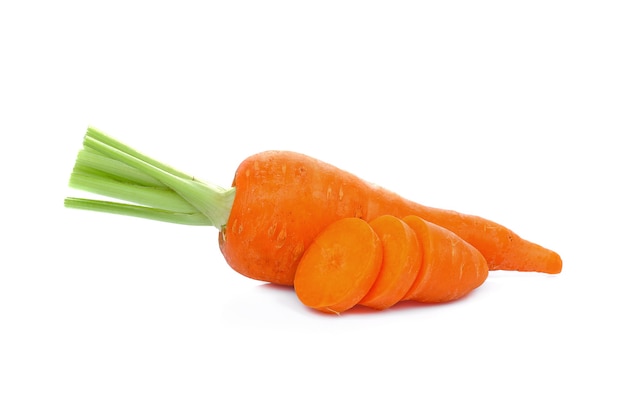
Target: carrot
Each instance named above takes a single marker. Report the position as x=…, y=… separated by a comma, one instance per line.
x=451, y=267
x=285, y=199
x=339, y=267
x=278, y=203
x=402, y=259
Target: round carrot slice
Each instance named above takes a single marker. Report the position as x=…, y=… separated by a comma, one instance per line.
x=339, y=267
x=402, y=258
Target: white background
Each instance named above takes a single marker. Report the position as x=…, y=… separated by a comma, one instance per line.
x=514, y=111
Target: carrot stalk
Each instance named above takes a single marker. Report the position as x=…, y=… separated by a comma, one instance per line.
x=156, y=214
x=164, y=198
x=402, y=259
x=192, y=191
x=107, y=167
x=339, y=267
x=90, y=162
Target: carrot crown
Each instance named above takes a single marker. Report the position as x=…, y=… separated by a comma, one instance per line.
x=144, y=187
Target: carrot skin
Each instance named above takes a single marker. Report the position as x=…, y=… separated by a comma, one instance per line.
x=284, y=199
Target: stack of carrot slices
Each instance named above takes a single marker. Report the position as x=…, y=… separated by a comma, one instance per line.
x=384, y=261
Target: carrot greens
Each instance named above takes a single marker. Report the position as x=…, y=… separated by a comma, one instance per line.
x=149, y=188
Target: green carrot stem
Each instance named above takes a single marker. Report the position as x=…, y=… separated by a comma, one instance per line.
x=164, y=199
x=107, y=167
x=89, y=161
x=105, y=139
x=195, y=219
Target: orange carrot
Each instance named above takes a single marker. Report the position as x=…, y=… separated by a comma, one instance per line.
x=280, y=201
x=339, y=267
x=402, y=259
x=284, y=199
x=451, y=267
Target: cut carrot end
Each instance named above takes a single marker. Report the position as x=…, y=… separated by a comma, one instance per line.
x=451, y=267
x=339, y=267
x=401, y=262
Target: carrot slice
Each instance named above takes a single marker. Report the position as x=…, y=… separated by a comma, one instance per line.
x=339, y=267
x=402, y=259
x=451, y=267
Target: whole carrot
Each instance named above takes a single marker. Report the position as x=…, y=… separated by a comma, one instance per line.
x=284, y=199
x=278, y=203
